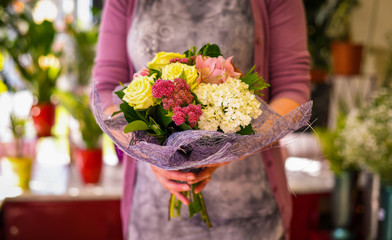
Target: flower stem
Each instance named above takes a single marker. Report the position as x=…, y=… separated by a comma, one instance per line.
x=203, y=213
x=197, y=205
x=172, y=201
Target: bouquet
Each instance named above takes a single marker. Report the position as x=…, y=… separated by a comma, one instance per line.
x=188, y=110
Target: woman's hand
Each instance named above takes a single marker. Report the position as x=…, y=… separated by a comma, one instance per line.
x=204, y=176
x=167, y=179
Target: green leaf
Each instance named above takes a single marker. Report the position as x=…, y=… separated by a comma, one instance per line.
x=190, y=52
x=194, y=206
x=129, y=113
x=185, y=127
x=163, y=116
x=120, y=93
x=136, y=126
x=210, y=50
x=254, y=81
x=196, y=99
x=183, y=75
x=154, y=71
x=247, y=130
x=156, y=128
x=115, y=113
x=178, y=207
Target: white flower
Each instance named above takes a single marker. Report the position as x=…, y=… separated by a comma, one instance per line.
x=228, y=106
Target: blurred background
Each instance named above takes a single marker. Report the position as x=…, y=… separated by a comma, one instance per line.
x=60, y=177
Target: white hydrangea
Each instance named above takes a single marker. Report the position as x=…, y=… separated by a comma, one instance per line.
x=229, y=105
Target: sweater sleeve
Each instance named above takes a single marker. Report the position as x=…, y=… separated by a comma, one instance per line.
x=111, y=62
x=289, y=58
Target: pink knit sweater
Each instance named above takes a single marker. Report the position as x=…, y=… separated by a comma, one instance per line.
x=280, y=55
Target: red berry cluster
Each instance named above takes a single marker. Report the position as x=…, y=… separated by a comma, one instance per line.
x=177, y=97
x=162, y=88
x=174, y=93
x=191, y=113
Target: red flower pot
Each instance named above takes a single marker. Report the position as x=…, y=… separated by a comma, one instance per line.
x=346, y=58
x=43, y=115
x=89, y=163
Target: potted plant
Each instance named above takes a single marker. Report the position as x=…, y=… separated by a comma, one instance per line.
x=18, y=152
x=368, y=138
x=30, y=45
x=88, y=151
x=346, y=55
x=345, y=175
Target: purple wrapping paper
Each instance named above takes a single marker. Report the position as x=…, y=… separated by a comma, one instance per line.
x=190, y=149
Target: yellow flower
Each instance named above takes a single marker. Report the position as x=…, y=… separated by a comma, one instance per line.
x=174, y=70
x=163, y=58
x=3, y=87
x=138, y=93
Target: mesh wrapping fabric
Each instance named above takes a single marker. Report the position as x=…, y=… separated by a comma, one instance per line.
x=193, y=148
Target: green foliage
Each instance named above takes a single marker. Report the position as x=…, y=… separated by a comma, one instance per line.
x=84, y=49
x=153, y=71
x=331, y=145
x=337, y=15
x=25, y=43
x=254, y=81
x=79, y=108
x=208, y=50
x=247, y=130
x=136, y=125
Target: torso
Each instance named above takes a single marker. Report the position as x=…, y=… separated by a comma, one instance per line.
x=239, y=200
x=175, y=26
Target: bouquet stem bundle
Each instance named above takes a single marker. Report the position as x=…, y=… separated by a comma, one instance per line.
x=197, y=205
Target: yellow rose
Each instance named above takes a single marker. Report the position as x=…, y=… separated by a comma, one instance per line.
x=174, y=70
x=138, y=93
x=161, y=59
x=3, y=87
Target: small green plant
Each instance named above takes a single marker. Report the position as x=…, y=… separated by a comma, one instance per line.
x=337, y=14
x=79, y=108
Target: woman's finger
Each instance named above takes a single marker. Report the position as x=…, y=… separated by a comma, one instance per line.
x=172, y=186
x=214, y=165
x=174, y=175
x=202, y=185
x=181, y=197
x=203, y=175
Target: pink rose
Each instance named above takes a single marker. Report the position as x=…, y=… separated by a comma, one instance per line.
x=214, y=70
x=144, y=72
